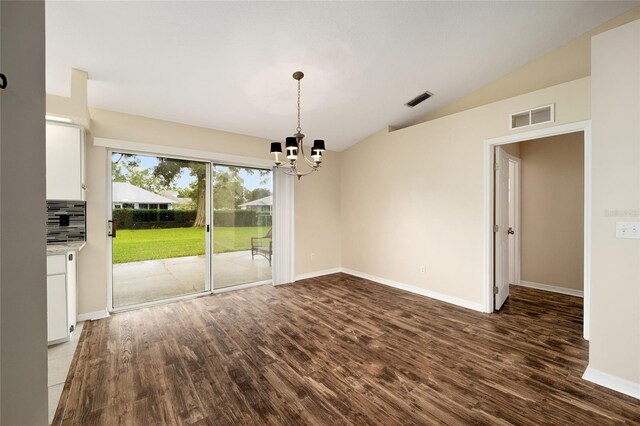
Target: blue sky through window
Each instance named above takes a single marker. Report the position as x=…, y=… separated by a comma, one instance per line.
x=250, y=181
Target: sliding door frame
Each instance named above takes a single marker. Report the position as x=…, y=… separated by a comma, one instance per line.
x=208, y=232
x=208, y=252
x=211, y=206
x=127, y=147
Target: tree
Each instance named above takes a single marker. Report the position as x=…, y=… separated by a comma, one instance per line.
x=127, y=169
x=169, y=170
x=228, y=186
x=228, y=189
x=257, y=193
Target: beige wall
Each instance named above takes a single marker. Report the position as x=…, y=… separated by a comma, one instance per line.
x=317, y=213
x=415, y=196
x=552, y=211
x=23, y=285
x=566, y=63
x=615, y=287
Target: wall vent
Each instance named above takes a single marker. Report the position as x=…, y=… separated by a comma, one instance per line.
x=532, y=117
x=418, y=99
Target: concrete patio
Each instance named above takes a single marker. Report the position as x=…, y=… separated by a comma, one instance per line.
x=151, y=280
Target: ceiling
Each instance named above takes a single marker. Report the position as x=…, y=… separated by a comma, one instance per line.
x=228, y=65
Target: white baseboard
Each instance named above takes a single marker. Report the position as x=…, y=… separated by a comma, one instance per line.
x=553, y=288
x=91, y=316
x=318, y=273
x=417, y=290
x=624, y=386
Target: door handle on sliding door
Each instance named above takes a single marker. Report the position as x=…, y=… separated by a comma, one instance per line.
x=112, y=228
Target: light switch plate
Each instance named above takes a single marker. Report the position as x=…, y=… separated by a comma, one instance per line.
x=628, y=230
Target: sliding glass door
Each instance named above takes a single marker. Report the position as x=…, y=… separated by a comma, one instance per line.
x=242, y=208
x=180, y=227
x=160, y=216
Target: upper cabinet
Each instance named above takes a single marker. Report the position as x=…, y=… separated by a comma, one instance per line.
x=65, y=162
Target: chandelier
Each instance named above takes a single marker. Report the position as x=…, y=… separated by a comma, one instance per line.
x=295, y=149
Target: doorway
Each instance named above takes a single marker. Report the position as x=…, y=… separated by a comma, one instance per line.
x=497, y=216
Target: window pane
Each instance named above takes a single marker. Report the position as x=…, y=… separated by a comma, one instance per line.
x=242, y=244
x=159, y=253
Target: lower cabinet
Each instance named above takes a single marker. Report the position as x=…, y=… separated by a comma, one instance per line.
x=56, y=307
x=61, y=296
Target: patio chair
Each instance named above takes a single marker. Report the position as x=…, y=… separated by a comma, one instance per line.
x=262, y=246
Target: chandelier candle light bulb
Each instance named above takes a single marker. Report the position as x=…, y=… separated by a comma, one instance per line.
x=291, y=145
x=294, y=147
x=276, y=149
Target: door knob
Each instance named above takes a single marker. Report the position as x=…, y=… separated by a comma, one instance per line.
x=510, y=231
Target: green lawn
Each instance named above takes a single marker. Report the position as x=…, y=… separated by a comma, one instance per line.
x=147, y=244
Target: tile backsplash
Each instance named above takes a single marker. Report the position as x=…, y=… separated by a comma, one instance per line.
x=66, y=221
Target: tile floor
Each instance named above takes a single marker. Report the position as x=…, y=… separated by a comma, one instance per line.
x=60, y=357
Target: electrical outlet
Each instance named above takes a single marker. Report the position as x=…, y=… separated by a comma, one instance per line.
x=423, y=269
x=313, y=255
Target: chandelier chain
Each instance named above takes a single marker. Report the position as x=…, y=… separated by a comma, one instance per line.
x=298, y=129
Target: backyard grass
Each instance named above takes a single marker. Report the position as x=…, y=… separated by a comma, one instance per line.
x=148, y=244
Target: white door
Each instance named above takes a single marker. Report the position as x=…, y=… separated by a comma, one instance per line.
x=512, y=221
x=501, y=236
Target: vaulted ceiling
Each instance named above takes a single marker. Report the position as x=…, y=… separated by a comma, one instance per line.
x=228, y=65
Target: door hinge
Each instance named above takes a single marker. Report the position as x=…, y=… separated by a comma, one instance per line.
x=496, y=166
x=496, y=228
x=496, y=290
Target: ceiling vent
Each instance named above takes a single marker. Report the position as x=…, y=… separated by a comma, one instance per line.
x=545, y=114
x=418, y=99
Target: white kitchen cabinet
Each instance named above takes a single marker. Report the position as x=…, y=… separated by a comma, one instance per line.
x=61, y=296
x=65, y=162
x=56, y=308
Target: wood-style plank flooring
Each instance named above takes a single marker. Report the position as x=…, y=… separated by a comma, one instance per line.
x=339, y=350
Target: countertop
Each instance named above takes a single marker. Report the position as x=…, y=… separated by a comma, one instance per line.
x=65, y=247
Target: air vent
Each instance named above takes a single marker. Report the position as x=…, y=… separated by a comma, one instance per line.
x=418, y=99
x=545, y=114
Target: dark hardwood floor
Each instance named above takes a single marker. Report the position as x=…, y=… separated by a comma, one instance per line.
x=339, y=350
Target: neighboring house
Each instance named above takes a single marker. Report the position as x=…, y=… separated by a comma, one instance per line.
x=261, y=204
x=127, y=196
x=178, y=202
